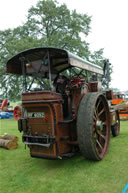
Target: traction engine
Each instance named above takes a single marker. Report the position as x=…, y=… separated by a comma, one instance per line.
x=64, y=109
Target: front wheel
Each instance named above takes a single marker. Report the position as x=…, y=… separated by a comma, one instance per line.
x=93, y=126
x=116, y=127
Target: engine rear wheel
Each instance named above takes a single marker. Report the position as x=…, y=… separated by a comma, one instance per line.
x=93, y=126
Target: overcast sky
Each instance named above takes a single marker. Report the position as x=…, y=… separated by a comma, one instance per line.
x=109, y=28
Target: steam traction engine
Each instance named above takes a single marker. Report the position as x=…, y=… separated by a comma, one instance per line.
x=63, y=108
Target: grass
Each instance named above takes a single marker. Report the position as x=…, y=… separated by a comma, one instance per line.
x=19, y=173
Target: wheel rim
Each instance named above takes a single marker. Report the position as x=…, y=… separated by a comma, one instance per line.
x=100, y=133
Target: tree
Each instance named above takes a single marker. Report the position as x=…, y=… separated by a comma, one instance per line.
x=48, y=24
x=12, y=42
x=57, y=26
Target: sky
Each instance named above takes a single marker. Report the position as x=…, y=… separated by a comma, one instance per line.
x=109, y=29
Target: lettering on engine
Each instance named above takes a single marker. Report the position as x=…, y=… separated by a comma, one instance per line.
x=36, y=115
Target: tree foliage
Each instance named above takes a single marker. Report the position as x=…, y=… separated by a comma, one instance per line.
x=48, y=24
x=57, y=26
x=12, y=42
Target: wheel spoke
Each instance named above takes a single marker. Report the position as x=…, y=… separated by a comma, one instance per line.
x=95, y=115
x=103, y=110
x=98, y=104
x=101, y=135
x=99, y=145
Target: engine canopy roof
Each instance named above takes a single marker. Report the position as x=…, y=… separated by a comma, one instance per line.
x=60, y=60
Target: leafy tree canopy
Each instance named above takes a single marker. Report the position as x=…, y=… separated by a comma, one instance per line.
x=48, y=24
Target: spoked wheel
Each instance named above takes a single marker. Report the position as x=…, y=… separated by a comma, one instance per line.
x=116, y=127
x=93, y=126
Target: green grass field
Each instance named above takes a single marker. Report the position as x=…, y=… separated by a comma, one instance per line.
x=19, y=173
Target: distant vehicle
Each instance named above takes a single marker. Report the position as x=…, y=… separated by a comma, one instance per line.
x=126, y=97
x=120, y=98
x=6, y=115
x=5, y=106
